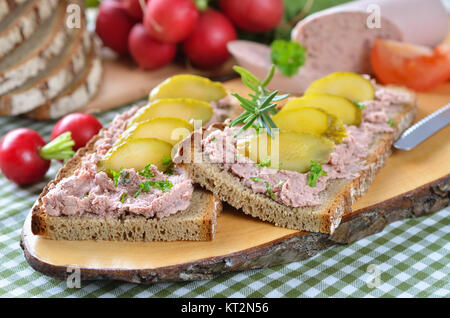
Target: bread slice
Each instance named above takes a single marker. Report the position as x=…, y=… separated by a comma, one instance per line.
x=77, y=94
x=35, y=55
x=8, y=6
x=337, y=198
x=22, y=22
x=49, y=83
x=196, y=223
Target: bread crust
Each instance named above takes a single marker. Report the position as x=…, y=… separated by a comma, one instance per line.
x=324, y=218
x=34, y=14
x=76, y=95
x=197, y=223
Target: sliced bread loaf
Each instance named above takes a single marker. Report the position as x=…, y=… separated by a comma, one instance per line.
x=8, y=6
x=50, y=82
x=35, y=55
x=77, y=94
x=22, y=22
x=336, y=200
x=196, y=223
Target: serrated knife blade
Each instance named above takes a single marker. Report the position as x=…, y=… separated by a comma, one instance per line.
x=423, y=129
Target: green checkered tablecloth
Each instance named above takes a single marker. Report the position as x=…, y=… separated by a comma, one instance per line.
x=408, y=259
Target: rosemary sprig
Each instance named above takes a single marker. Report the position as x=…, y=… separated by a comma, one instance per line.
x=260, y=105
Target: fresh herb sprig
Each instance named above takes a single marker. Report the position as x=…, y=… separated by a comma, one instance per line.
x=260, y=105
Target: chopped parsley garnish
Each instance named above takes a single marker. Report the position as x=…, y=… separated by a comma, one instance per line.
x=171, y=170
x=281, y=183
x=265, y=163
x=116, y=176
x=123, y=197
x=269, y=190
x=166, y=161
x=288, y=56
x=315, y=173
x=391, y=123
x=256, y=179
x=147, y=173
x=360, y=106
x=214, y=139
x=86, y=196
x=163, y=185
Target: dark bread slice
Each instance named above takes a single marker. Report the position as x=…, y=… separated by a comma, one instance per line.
x=77, y=94
x=196, y=223
x=31, y=59
x=7, y=7
x=337, y=198
x=23, y=22
x=54, y=79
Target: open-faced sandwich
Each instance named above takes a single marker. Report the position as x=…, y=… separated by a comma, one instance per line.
x=304, y=166
x=123, y=185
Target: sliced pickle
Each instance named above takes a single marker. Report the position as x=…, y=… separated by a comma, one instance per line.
x=353, y=86
x=169, y=129
x=311, y=120
x=136, y=154
x=183, y=108
x=294, y=152
x=189, y=86
x=349, y=113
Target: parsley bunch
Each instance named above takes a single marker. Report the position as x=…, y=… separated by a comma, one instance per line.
x=288, y=56
x=260, y=105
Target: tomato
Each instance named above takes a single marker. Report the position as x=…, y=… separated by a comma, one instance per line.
x=20, y=160
x=417, y=67
x=206, y=47
x=113, y=25
x=254, y=15
x=170, y=21
x=82, y=127
x=147, y=52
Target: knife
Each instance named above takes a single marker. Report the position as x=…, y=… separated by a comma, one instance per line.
x=423, y=129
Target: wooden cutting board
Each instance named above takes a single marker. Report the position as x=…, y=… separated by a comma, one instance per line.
x=411, y=184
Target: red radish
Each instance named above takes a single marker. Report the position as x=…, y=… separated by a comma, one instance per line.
x=170, y=21
x=81, y=126
x=24, y=157
x=114, y=25
x=147, y=52
x=254, y=15
x=206, y=47
x=134, y=9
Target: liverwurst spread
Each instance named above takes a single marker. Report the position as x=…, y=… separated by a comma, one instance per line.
x=88, y=190
x=291, y=188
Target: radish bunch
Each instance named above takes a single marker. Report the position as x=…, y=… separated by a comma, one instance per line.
x=151, y=31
